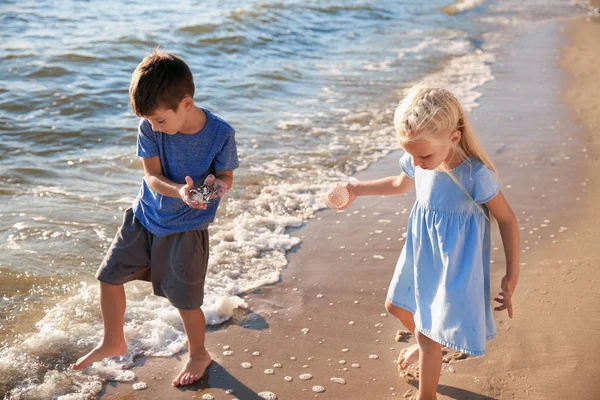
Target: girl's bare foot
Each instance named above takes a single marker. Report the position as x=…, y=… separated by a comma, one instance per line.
x=408, y=356
x=101, y=352
x=193, y=370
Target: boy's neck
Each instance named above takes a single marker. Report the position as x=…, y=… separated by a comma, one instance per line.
x=195, y=123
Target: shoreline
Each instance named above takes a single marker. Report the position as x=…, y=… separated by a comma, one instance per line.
x=353, y=280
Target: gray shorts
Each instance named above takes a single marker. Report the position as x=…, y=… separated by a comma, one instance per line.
x=175, y=264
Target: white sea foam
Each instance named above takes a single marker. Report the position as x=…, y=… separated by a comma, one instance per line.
x=461, y=6
x=446, y=42
x=152, y=328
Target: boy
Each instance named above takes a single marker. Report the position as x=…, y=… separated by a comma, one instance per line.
x=164, y=237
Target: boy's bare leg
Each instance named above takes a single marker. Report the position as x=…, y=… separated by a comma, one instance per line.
x=409, y=355
x=112, y=306
x=199, y=359
x=430, y=366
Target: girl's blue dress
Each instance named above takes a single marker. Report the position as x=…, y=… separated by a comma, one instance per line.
x=443, y=274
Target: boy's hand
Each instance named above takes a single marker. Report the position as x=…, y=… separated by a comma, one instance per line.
x=508, y=288
x=184, y=193
x=220, y=185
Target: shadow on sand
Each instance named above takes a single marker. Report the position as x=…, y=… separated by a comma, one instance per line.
x=456, y=393
x=217, y=377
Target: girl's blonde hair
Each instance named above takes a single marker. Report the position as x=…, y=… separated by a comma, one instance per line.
x=433, y=114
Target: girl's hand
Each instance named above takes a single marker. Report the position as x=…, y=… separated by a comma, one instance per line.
x=351, y=194
x=184, y=193
x=508, y=288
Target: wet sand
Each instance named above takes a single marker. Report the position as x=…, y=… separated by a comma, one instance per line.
x=540, y=121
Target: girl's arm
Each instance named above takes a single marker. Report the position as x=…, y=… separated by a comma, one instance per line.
x=391, y=185
x=509, y=231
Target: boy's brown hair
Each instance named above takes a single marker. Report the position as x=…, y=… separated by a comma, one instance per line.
x=161, y=80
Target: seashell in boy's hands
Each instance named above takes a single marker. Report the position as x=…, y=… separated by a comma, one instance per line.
x=337, y=197
x=205, y=193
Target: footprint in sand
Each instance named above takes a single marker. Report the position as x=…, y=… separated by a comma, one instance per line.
x=402, y=336
x=450, y=355
x=407, y=357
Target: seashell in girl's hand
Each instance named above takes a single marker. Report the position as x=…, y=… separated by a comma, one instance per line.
x=337, y=197
x=204, y=194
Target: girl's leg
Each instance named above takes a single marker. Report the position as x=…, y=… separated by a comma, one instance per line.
x=405, y=316
x=430, y=366
x=112, y=306
x=198, y=359
x=409, y=355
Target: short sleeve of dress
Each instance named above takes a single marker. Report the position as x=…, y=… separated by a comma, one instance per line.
x=406, y=164
x=146, y=140
x=486, y=184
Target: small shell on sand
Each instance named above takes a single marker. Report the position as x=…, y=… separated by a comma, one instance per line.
x=305, y=331
x=208, y=397
x=345, y=350
x=342, y=362
x=318, y=389
x=246, y=365
x=226, y=347
x=269, y=371
x=319, y=296
x=378, y=257
x=267, y=395
x=293, y=358
x=140, y=386
x=341, y=381
x=373, y=356
x=305, y=377
x=229, y=391
x=355, y=365
x=277, y=365
x=256, y=353
x=228, y=353
x=288, y=378
x=351, y=323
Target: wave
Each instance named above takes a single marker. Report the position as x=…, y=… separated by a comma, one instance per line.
x=46, y=71
x=462, y=6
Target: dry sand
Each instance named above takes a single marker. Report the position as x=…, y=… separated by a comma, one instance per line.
x=550, y=350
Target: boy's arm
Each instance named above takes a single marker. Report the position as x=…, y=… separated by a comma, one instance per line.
x=226, y=177
x=509, y=231
x=391, y=185
x=157, y=181
x=163, y=185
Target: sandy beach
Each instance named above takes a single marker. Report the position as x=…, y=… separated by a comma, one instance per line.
x=326, y=316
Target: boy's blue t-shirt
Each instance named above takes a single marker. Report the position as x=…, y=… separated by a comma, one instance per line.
x=198, y=155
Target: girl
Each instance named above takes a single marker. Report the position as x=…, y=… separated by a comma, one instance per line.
x=441, y=286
